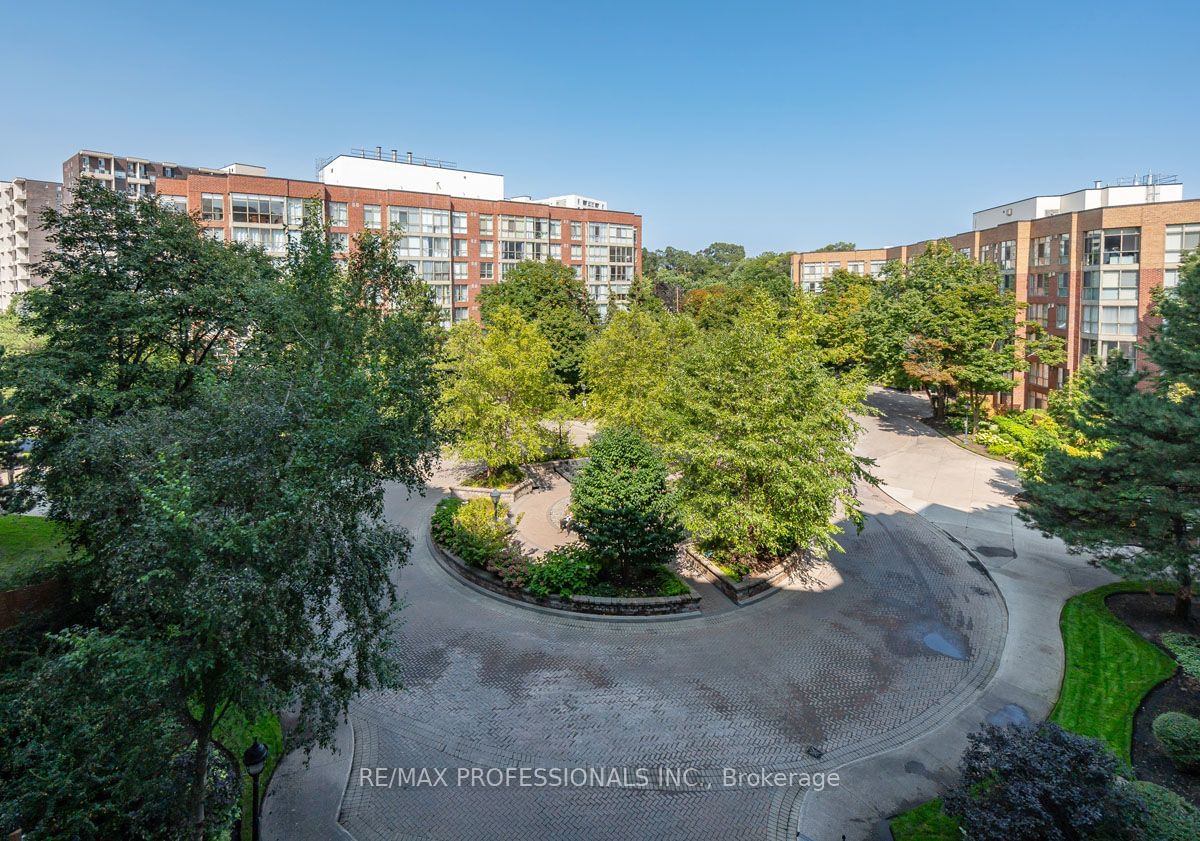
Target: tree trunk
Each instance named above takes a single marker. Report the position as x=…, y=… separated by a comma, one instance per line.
x=196, y=796
x=1183, y=601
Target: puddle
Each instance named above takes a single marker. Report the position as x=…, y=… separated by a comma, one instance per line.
x=937, y=641
x=1009, y=714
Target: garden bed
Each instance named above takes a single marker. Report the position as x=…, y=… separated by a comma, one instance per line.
x=599, y=605
x=1151, y=616
x=749, y=587
x=508, y=494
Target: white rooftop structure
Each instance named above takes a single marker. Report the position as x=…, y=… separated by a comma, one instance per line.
x=379, y=171
x=1140, y=189
x=573, y=201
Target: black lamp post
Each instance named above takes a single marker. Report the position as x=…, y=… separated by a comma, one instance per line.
x=495, y=504
x=255, y=758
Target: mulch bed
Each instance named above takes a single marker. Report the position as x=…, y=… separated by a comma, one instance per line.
x=1151, y=616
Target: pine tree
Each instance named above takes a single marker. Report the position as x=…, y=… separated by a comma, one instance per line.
x=1137, y=506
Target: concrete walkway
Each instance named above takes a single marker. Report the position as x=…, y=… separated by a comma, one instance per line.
x=970, y=497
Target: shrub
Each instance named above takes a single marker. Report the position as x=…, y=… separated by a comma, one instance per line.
x=1186, y=649
x=1038, y=782
x=1166, y=816
x=622, y=509
x=566, y=571
x=471, y=529
x=1179, y=737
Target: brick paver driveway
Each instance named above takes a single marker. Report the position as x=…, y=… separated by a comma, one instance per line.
x=801, y=681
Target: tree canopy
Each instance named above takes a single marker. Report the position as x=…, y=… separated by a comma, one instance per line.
x=549, y=296
x=1137, y=505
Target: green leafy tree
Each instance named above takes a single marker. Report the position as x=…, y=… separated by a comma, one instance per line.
x=499, y=388
x=197, y=492
x=762, y=437
x=622, y=509
x=549, y=296
x=135, y=306
x=841, y=326
x=838, y=246
x=770, y=271
x=688, y=270
x=945, y=322
x=1136, y=507
x=626, y=368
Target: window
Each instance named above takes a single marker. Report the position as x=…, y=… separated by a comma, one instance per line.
x=486, y=221
x=212, y=207
x=1118, y=321
x=598, y=274
x=176, y=203
x=419, y=220
x=460, y=294
x=597, y=254
x=372, y=217
x=217, y=234
x=422, y=247
x=576, y=252
x=966, y=252
x=1060, y=316
x=1039, y=254
x=555, y=251
x=458, y=223
x=620, y=254
x=512, y=250
x=578, y=272
x=461, y=314
x=1091, y=319
x=877, y=266
x=460, y=248
x=1039, y=374
x=258, y=210
x=1119, y=285
x=1039, y=314
x=1122, y=245
x=854, y=268
x=460, y=271
x=1064, y=284
x=340, y=242
x=1170, y=278
x=268, y=239
x=487, y=271
x=597, y=232
x=1180, y=240
x=576, y=230
x=1037, y=284
x=555, y=229
x=1064, y=248
x=338, y=217
x=487, y=248
x=295, y=212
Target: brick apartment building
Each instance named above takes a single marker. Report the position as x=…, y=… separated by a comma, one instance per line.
x=1083, y=264
x=22, y=241
x=132, y=176
x=455, y=226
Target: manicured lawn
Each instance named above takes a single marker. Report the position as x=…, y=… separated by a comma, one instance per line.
x=927, y=822
x=1109, y=669
x=236, y=734
x=31, y=548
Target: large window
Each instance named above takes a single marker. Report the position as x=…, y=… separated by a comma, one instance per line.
x=273, y=240
x=419, y=220
x=486, y=221
x=576, y=230
x=487, y=271
x=1064, y=248
x=877, y=266
x=458, y=223
x=487, y=248
x=1039, y=314
x=1039, y=252
x=338, y=214
x=1119, y=285
x=1180, y=240
x=372, y=217
x=1064, y=284
x=620, y=254
x=257, y=210
x=1114, y=246
x=422, y=246
x=555, y=229
x=1060, y=316
x=212, y=207
x=460, y=248
x=340, y=242
x=459, y=271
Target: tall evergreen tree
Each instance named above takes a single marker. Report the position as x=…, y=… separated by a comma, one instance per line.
x=1136, y=507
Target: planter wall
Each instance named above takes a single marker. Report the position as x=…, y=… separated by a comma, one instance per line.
x=750, y=588
x=596, y=605
x=507, y=495
x=32, y=598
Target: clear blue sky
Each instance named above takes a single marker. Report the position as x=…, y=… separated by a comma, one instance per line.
x=772, y=125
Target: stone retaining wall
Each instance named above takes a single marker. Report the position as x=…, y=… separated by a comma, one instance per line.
x=650, y=606
x=507, y=495
x=751, y=587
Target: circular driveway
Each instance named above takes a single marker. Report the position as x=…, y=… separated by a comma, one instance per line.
x=664, y=714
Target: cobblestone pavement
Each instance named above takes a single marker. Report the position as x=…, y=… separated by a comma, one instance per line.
x=902, y=638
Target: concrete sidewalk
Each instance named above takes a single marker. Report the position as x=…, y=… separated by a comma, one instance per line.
x=970, y=497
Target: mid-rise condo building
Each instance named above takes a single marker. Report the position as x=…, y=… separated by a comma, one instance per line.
x=22, y=240
x=1083, y=265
